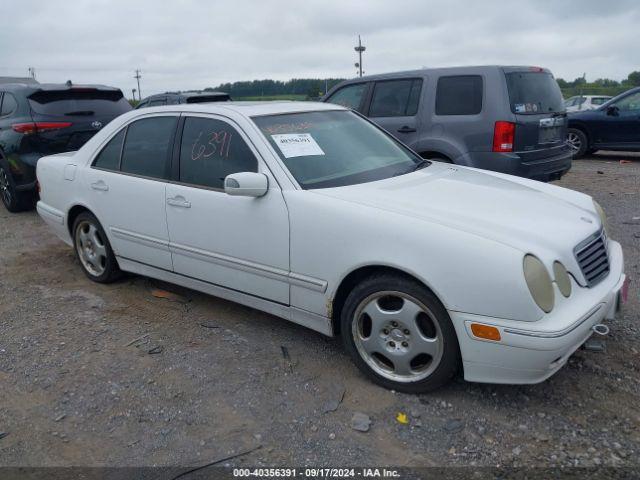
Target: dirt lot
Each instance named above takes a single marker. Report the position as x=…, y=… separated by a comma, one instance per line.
x=80, y=383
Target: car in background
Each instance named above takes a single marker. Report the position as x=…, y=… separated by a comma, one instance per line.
x=614, y=125
x=585, y=102
x=315, y=214
x=45, y=119
x=506, y=119
x=183, y=97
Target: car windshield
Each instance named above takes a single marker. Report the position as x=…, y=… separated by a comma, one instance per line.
x=534, y=92
x=335, y=148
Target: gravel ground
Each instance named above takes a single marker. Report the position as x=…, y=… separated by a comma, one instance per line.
x=113, y=375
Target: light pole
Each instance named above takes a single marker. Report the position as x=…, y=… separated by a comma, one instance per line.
x=360, y=48
x=137, y=76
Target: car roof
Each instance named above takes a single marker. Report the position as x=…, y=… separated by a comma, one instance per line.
x=445, y=70
x=246, y=109
x=56, y=87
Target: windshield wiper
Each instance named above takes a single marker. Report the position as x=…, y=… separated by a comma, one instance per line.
x=420, y=165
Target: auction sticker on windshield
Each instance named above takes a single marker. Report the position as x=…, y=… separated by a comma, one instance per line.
x=297, y=145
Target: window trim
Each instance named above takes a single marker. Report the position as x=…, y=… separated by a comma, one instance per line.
x=364, y=101
x=397, y=79
x=125, y=127
x=482, y=98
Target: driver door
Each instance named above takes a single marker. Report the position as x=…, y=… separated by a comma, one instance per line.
x=241, y=243
x=622, y=124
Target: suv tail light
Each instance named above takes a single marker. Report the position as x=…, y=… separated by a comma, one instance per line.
x=503, y=134
x=35, y=127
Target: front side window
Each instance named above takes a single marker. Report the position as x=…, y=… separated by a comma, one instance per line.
x=349, y=96
x=459, y=95
x=210, y=150
x=335, y=148
x=109, y=156
x=599, y=100
x=146, y=147
x=395, y=98
x=9, y=104
x=630, y=103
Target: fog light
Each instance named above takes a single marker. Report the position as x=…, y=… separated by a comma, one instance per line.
x=485, y=331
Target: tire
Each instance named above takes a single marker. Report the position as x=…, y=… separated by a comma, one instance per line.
x=578, y=142
x=399, y=334
x=13, y=200
x=93, y=250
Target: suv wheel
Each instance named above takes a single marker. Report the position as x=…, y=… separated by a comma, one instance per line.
x=399, y=334
x=94, y=250
x=13, y=200
x=578, y=142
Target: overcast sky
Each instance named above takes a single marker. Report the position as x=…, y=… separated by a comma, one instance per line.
x=195, y=44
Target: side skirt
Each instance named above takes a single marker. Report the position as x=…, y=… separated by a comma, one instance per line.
x=307, y=319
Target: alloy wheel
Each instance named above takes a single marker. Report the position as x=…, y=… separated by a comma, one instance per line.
x=5, y=187
x=91, y=248
x=574, y=141
x=398, y=336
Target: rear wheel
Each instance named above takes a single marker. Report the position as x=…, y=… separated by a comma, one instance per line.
x=578, y=142
x=93, y=250
x=13, y=200
x=399, y=334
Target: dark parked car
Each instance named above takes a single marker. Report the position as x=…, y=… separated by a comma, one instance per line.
x=184, y=97
x=507, y=119
x=613, y=126
x=43, y=119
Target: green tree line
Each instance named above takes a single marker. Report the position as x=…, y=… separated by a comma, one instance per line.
x=295, y=88
x=600, y=86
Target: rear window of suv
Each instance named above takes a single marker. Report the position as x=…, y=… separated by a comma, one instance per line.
x=73, y=102
x=534, y=92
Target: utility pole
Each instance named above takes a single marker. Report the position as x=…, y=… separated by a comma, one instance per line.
x=32, y=72
x=360, y=48
x=137, y=76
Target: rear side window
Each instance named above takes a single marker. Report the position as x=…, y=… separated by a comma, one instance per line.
x=146, y=147
x=534, y=92
x=109, y=156
x=459, y=95
x=210, y=150
x=395, y=98
x=156, y=102
x=349, y=96
x=9, y=104
x=599, y=100
x=80, y=101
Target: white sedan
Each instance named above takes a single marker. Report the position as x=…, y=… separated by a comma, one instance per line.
x=314, y=214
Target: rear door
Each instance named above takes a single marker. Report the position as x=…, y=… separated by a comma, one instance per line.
x=126, y=185
x=394, y=106
x=69, y=117
x=541, y=121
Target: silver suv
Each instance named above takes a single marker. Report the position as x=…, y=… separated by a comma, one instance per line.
x=506, y=119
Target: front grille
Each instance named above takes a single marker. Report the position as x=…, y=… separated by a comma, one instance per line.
x=593, y=258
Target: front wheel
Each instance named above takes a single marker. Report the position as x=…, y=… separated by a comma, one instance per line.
x=94, y=250
x=399, y=334
x=578, y=142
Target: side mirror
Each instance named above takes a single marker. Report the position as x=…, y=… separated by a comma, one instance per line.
x=246, y=184
x=613, y=111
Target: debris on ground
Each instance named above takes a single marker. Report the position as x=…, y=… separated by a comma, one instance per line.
x=625, y=162
x=3, y=434
x=287, y=358
x=172, y=297
x=453, y=425
x=360, y=422
x=595, y=345
x=156, y=350
x=209, y=325
x=402, y=418
x=60, y=417
x=138, y=339
x=337, y=395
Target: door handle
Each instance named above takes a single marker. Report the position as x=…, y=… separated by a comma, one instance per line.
x=100, y=185
x=179, y=201
x=406, y=129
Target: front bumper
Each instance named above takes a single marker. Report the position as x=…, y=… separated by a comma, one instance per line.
x=530, y=352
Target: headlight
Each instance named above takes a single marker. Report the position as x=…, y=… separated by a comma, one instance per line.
x=562, y=279
x=539, y=282
x=603, y=217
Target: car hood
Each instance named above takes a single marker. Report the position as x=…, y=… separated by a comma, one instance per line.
x=521, y=213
